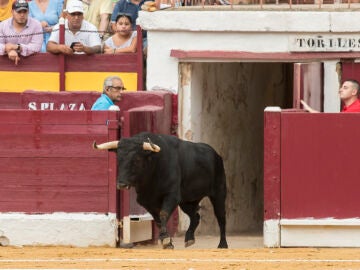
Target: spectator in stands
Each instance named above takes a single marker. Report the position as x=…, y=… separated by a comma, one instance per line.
x=5, y=9
x=113, y=86
x=48, y=13
x=124, y=40
x=81, y=37
x=349, y=94
x=98, y=13
x=20, y=34
x=132, y=8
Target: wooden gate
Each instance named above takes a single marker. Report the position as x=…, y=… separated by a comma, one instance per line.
x=311, y=179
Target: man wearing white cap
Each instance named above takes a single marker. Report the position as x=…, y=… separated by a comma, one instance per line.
x=80, y=35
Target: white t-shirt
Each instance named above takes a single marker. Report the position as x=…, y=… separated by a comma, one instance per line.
x=110, y=42
x=88, y=35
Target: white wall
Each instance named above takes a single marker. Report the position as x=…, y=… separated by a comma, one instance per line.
x=66, y=229
x=238, y=30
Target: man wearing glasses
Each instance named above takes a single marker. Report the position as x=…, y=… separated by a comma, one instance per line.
x=20, y=34
x=81, y=36
x=113, y=86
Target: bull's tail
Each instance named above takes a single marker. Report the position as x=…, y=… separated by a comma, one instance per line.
x=218, y=200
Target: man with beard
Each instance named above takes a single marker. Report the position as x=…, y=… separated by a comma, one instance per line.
x=20, y=35
x=81, y=37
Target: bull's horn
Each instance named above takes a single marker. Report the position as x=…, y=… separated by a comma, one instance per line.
x=106, y=146
x=151, y=147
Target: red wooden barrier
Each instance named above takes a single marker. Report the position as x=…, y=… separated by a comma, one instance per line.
x=48, y=159
x=319, y=166
x=311, y=186
x=47, y=163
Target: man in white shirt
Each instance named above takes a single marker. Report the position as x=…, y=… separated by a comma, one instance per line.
x=81, y=37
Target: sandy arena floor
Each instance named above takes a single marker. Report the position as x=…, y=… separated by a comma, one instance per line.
x=245, y=255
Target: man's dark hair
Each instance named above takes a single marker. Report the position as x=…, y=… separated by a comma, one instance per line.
x=356, y=85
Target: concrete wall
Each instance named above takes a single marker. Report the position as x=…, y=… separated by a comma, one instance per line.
x=221, y=100
x=227, y=101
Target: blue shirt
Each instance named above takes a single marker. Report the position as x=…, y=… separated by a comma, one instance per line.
x=103, y=103
x=51, y=16
x=125, y=6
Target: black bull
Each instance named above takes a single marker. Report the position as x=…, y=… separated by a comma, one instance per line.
x=167, y=172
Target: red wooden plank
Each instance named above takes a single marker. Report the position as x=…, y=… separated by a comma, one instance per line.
x=49, y=201
x=272, y=164
x=56, y=117
x=126, y=62
x=47, y=62
x=113, y=134
x=350, y=71
x=263, y=56
x=10, y=100
x=51, y=140
x=62, y=172
x=50, y=185
x=319, y=168
x=42, y=62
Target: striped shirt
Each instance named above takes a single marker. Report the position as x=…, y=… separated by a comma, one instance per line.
x=30, y=37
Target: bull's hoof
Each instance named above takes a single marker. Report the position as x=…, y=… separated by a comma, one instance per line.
x=223, y=244
x=189, y=243
x=4, y=241
x=167, y=243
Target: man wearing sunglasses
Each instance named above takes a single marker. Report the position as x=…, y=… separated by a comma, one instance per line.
x=20, y=35
x=113, y=86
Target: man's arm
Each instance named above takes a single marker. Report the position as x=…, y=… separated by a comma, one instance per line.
x=90, y=50
x=106, y=10
x=56, y=48
x=307, y=107
x=36, y=41
x=118, y=8
x=104, y=22
x=2, y=39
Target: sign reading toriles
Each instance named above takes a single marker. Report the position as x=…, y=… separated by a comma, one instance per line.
x=326, y=43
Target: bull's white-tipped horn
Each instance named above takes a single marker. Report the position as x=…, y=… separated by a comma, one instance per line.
x=151, y=147
x=106, y=146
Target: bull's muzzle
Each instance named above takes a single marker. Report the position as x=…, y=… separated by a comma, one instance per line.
x=122, y=186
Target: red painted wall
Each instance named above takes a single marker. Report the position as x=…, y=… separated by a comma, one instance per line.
x=47, y=163
x=319, y=166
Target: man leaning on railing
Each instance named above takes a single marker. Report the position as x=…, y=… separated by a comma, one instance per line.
x=81, y=37
x=349, y=94
x=20, y=35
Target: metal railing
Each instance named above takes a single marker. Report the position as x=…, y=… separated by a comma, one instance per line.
x=267, y=4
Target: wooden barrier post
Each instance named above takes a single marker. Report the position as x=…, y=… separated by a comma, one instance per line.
x=272, y=173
